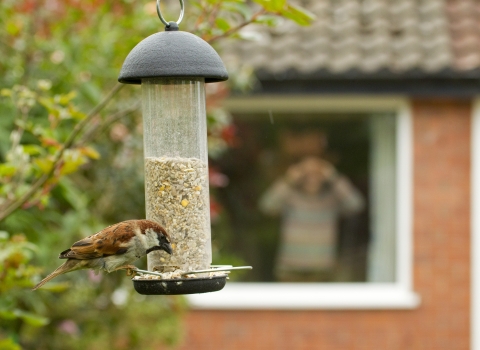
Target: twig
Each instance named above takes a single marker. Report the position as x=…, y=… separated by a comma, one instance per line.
x=58, y=157
x=213, y=14
x=90, y=136
x=17, y=178
x=200, y=18
x=237, y=28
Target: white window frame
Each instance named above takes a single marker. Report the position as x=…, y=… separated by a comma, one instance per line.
x=311, y=296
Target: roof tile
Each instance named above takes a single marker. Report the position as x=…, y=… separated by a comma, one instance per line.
x=370, y=36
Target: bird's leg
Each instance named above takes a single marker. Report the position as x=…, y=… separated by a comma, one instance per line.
x=130, y=269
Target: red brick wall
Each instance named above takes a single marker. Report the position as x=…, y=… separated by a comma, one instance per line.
x=441, y=264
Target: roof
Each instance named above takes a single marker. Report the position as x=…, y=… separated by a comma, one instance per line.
x=371, y=38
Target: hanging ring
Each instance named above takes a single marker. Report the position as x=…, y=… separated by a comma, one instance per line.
x=182, y=10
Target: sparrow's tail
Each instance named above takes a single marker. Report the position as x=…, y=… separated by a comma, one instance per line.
x=67, y=266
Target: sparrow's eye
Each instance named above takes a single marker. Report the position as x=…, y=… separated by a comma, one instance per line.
x=162, y=238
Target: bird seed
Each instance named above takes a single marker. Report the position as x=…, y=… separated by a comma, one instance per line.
x=177, y=198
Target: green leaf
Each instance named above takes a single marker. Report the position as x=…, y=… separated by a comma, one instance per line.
x=72, y=161
x=240, y=8
x=9, y=344
x=298, y=15
x=12, y=28
x=222, y=24
x=47, y=103
x=7, y=315
x=32, y=319
x=7, y=170
x=268, y=20
x=278, y=4
x=32, y=150
x=91, y=92
x=76, y=114
x=272, y=5
x=6, y=92
x=66, y=98
x=44, y=164
x=90, y=152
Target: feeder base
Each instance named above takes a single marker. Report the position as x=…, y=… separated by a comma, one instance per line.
x=180, y=285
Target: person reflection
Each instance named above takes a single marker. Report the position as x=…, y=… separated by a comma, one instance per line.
x=310, y=198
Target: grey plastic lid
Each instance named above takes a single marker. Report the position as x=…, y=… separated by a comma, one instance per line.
x=173, y=54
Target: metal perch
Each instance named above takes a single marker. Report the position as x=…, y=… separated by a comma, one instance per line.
x=215, y=269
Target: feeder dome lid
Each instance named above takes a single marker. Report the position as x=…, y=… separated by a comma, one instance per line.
x=174, y=54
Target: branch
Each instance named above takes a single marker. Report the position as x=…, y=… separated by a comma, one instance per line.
x=237, y=28
x=79, y=127
x=58, y=157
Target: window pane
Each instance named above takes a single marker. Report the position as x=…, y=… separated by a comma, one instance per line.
x=311, y=198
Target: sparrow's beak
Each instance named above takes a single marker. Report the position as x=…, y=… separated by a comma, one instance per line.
x=167, y=247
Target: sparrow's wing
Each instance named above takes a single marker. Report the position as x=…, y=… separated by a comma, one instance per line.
x=111, y=240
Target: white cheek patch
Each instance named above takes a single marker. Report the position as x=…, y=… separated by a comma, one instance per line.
x=151, y=238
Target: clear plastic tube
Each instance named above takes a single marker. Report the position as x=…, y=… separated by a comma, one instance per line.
x=176, y=170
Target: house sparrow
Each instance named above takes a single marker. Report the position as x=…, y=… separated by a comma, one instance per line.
x=113, y=248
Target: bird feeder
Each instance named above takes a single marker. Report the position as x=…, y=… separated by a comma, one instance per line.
x=173, y=67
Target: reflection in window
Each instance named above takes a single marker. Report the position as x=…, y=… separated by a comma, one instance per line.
x=311, y=198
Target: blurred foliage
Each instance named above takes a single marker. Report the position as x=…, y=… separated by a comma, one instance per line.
x=16, y=274
x=38, y=153
x=72, y=163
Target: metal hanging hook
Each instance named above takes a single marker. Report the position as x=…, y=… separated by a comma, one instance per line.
x=182, y=11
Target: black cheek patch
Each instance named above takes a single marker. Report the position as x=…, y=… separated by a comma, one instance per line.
x=153, y=249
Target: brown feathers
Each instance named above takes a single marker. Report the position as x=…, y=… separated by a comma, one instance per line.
x=111, y=240
x=113, y=248
x=67, y=266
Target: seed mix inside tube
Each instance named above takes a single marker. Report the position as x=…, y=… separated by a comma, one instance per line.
x=177, y=198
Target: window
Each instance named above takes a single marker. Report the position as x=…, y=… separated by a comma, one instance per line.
x=319, y=202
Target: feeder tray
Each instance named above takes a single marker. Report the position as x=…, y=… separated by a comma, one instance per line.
x=180, y=285
x=176, y=286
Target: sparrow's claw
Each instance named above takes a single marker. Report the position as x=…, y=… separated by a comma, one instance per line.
x=131, y=272
x=131, y=269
